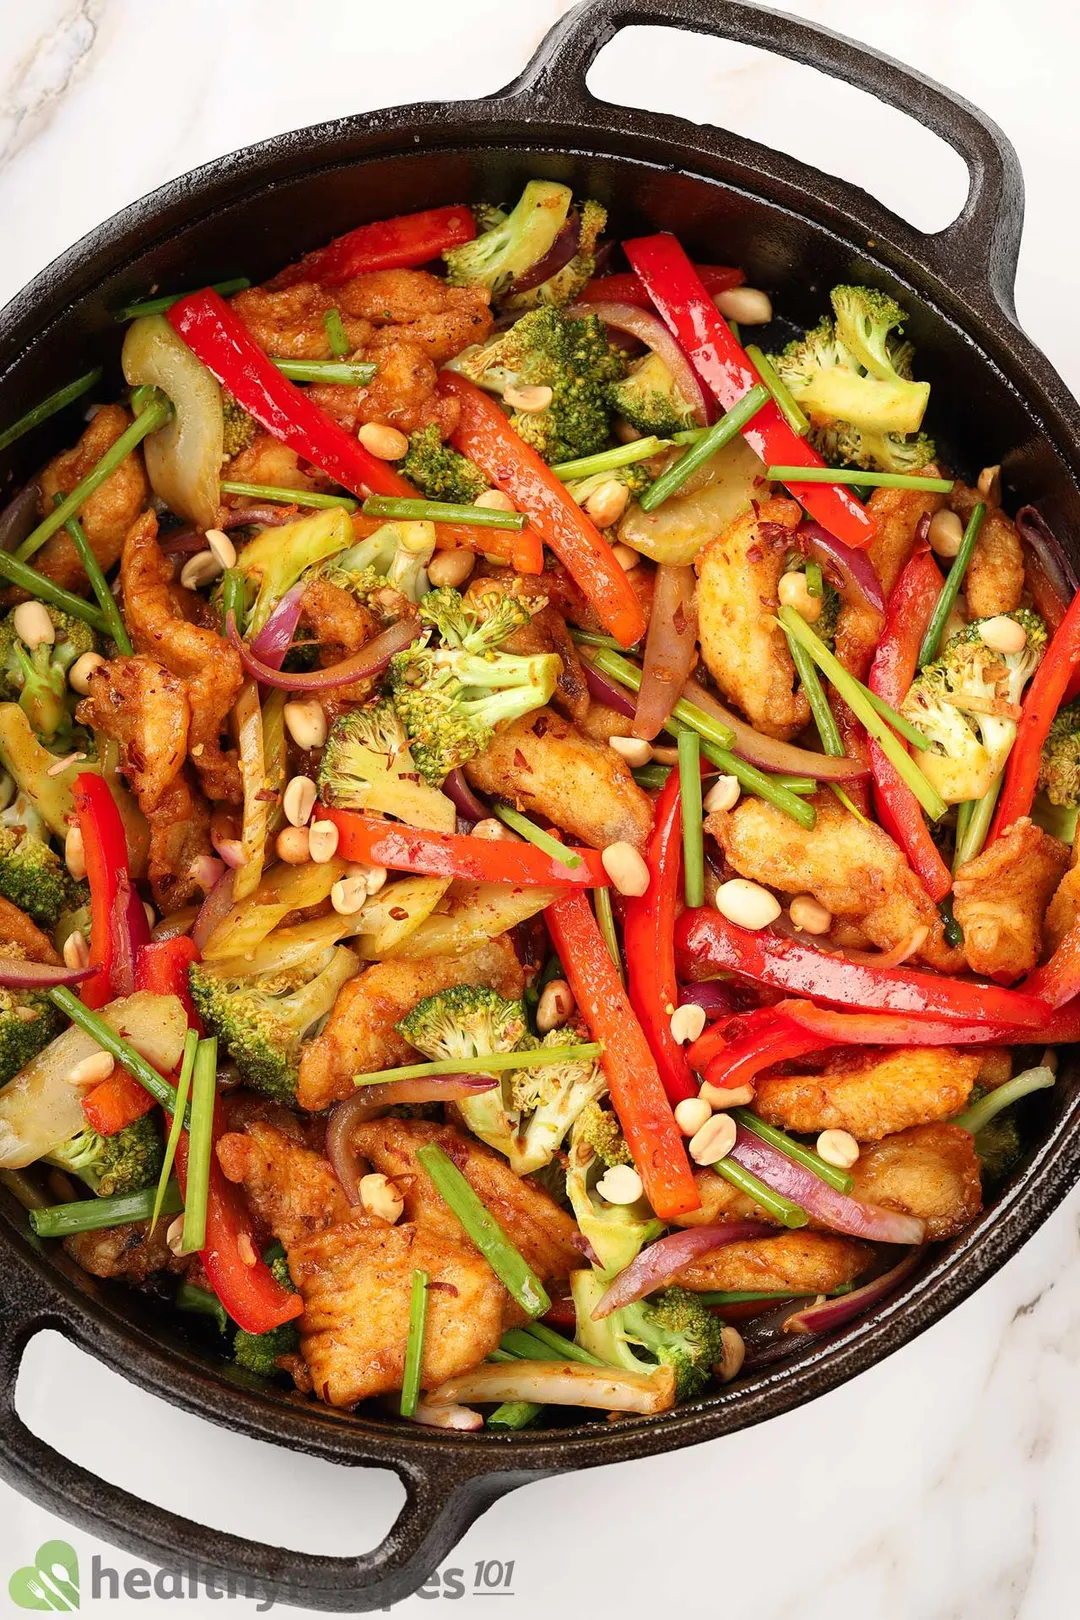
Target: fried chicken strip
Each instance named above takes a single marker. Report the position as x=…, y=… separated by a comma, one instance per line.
x=802, y=1262
x=931, y=1171
x=1000, y=899
x=994, y=582
x=869, y=1093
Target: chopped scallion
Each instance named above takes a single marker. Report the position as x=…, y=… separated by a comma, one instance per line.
x=106, y=601
x=158, y=306
x=692, y=834
x=982, y=1112
x=410, y=511
x=183, y=1086
x=951, y=588
x=605, y=921
x=200, y=1144
x=414, y=1345
x=840, y=1179
x=623, y=455
x=781, y=1208
x=47, y=590
x=714, y=439
x=288, y=497
x=536, y=835
x=95, y=1214
x=49, y=407
x=511, y=1268
x=789, y=409
x=352, y=373
x=484, y=1063
x=335, y=334
x=856, y=476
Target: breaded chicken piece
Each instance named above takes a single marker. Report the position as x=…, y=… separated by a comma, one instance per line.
x=546, y=632
x=745, y=652
x=531, y=1219
x=800, y=1262
x=360, y=1036
x=897, y=513
x=995, y=1067
x=106, y=516
x=994, y=581
x=854, y=869
x=207, y=664
x=129, y=1252
x=289, y=323
x=21, y=937
x=341, y=625
x=721, y=1202
x=425, y=311
x=146, y=711
x=354, y=1274
x=403, y=392
x=931, y=1171
x=543, y=763
x=600, y=724
x=1001, y=897
x=1064, y=909
x=869, y=1093
x=179, y=834
x=266, y=461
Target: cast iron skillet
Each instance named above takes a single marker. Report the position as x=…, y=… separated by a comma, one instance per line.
x=797, y=233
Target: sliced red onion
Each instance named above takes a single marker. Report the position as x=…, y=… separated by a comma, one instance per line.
x=601, y=690
x=368, y=1102
x=368, y=661
x=823, y=1316
x=664, y=1259
x=275, y=638
x=767, y=752
x=858, y=577
x=129, y=930
x=465, y=801
x=17, y=974
x=558, y=255
x=715, y=1000
x=443, y=1417
x=1033, y=528
x=19, y=516
x=214, y=909
x=651, y=331
x=670, y=647
x=833, y=1209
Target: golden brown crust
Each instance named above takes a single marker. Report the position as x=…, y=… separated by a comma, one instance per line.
x=931, y=1171
x=1001, y=897
x=21, y=937
x=897, y=513
x=146, y=711
x=994, y=582
x=801, y=1262
x=871, y=1094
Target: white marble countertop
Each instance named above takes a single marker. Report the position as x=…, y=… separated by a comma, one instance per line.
x=942, y=1484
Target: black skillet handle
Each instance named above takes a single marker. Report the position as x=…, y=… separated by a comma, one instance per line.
x=444, y=1492
x=977, y=252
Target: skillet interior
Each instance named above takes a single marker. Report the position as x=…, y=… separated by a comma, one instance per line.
x=1000, y=401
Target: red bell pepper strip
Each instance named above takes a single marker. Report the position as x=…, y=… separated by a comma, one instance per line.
x=648, y=924
x=250, y=1293
x=162, y=968
x=707, y=944
x=898, y=1029
x=457, y=855
x=388, y=244
x=637, y=1093
x=116, y=1102
x=218, y=337
x=627, y=288
x=1044, y=697
x=106, y=855
x=486, y=437
x=735, y=1039
x=683, y=301
x=1058, y=980
x=744, y=1058
x=909, y=611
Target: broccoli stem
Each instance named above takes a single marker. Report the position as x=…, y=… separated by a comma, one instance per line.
x=856, y=476
x=623, y=455
x=414, y=1346
x=354, y=374
x=98, y=584
x=951, y=588
x=972, y=828
x=93, y=1214
x=605, y=921
x=125, y=1054
x=711, y=441
x=46, y=590
x=840, y=1179
x=858, y=700
x=1041, y=1078
x=693, y=837
x=158, y=306
x=536, y=835
x=201, y=1302
x=200, y=1144
x=793, y=415
x=511, y=1268
x=288, y=497
x=49, y=407
x=781, y=1208
x=409, y=511
x=335, y=334
x=154, y=415
x=183, y=1086
x=486, y=1063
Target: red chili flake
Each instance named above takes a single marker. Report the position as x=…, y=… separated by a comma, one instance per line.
x=521, y=762
x=398, y=913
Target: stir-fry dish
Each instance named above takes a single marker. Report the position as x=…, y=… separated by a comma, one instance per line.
x=536, y=832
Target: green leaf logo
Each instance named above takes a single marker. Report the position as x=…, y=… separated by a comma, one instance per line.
x=51, y=1582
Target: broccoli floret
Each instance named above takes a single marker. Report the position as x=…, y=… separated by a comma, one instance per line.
x=392, y=560
x=998, y=1146
x=240, y=428
x=263, y=1020
x=468, y=1021
x=636, y=477
x=273, y=562
x=33, y=877
x=675, y=1330
x=966, y=703
x=616, y=1232
x=366, y=765
x=512, y=245
x=451, y=698
x=36, y=678
x=547, y=1101
x=125, y=1162
x=28, y=1022
x=825, y=627
x=572, y=357
x=1059, y=771
x=566, y=283
x=259, y=1352
x=439, y=471
x=853, y=380
x=650, y=401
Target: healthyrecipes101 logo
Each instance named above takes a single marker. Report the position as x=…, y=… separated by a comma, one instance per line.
x=51, y=1582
